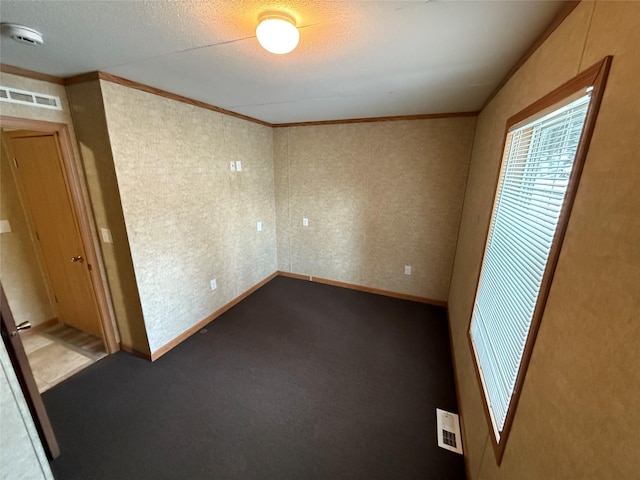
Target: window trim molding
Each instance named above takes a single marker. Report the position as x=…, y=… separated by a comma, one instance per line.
x=595, y=76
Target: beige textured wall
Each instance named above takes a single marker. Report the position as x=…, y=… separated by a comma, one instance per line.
x=378, y=196
x=578, y=415
x=20, y=271
x=93, y=138
x=190, y=219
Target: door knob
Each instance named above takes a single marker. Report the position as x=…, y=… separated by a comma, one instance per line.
x=77, y=258
x=22, y=326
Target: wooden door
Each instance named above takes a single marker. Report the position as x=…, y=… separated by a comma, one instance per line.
x=25, y=378
x=38, y=167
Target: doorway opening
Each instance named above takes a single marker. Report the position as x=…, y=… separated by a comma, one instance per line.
x=53, y=280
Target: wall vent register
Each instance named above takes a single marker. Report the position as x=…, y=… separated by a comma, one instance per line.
x=33, y=99
x=448, y=425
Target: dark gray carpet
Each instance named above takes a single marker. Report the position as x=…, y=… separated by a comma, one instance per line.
x=298, y=381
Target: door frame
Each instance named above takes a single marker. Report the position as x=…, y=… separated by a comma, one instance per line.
x=85, y=221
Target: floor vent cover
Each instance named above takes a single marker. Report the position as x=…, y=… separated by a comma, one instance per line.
x=23, y=97
x=449, y=431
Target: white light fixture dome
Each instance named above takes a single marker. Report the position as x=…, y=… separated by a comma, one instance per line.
x=277, y=32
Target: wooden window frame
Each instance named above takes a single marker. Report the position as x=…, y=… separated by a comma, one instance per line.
x=595, y=76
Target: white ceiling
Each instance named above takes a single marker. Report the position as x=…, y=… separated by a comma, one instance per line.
x=355, y=58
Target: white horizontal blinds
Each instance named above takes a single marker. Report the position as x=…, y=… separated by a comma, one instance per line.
x=535, y=174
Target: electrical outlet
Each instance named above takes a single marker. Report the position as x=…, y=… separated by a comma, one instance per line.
x=259, y=226
x=232, y=166
x=305, y=222
x=213, y=284
x=407, y=269
x=239, y=166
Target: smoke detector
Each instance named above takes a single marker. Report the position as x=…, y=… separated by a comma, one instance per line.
x=22, y=34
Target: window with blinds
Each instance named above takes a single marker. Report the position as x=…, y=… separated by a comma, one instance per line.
x=536, y=169
x=545, y=148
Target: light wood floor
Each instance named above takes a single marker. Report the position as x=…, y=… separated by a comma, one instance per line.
x=53, y=358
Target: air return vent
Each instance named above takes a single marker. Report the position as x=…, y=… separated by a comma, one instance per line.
x=34, y=99
x=448, y=431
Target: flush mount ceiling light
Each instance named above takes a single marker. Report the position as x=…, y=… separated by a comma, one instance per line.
x=22, y=34
x=277, y=32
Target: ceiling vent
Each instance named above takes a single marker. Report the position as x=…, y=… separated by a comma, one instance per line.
x=34, y=99
x=448, y=431
x=22, y=34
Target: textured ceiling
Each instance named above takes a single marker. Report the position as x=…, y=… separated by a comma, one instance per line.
x=355, y=59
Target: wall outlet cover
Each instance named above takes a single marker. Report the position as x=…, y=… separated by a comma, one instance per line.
x=106, y=235
x=232, y=166
x=5, y=226
x=213, y=284
x=305, y=222
x=239, y=166
x=259, y=226
x=407, y=269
